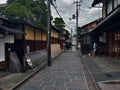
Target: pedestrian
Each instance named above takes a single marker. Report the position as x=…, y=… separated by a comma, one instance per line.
x=94, y=48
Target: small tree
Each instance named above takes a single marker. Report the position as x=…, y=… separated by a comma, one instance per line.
x=34, y=10
x=18, y=10
x=67, y=34
x=59, y=23
x=79, y=32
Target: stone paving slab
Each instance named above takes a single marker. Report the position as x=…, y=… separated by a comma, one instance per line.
x=104, y=69
x=66, y=73
x=109, y=86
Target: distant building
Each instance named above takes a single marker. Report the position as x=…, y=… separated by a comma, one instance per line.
x=74, y=40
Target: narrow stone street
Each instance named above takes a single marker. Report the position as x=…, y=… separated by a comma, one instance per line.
x=66, y=73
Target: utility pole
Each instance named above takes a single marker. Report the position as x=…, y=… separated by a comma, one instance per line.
x=77, y=24
x=48, y=33
x=71, y=39
x=75, y=16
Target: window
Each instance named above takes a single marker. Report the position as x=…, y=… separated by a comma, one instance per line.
x=109, y=8
x=115, y=3
x=118, y=2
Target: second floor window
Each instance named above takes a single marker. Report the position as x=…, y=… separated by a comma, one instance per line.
x=116, y=3
x=109, y=7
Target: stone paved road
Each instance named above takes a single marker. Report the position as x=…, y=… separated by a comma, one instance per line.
x=66, y=73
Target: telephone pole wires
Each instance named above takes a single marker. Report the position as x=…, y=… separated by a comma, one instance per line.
x=75, y=16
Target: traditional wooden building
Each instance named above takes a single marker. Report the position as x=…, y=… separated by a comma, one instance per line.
x=6, y=41
x=62, y=41
x=87, y=38
x=55, y=44
x=110, y=26
x=28, y=39
x=33, y=40
x=55, y=35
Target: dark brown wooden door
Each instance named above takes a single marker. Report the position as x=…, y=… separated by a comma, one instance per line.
x=114, y=45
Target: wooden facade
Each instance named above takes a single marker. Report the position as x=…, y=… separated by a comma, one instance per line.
x=110, y=27
x=33, y=40
x=113, y=35
x=114, y=45
x=55, y=35
x=87, y=39
x=89, y=26
x=7, y=39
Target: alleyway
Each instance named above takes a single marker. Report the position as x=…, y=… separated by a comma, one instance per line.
x=66, y=73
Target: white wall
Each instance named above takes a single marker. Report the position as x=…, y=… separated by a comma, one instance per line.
x=2, y=49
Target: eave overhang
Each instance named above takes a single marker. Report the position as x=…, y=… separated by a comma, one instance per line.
x=55, y=28
x=109, y=24
x=111, y=20
x=5, y=30
x=95, y=2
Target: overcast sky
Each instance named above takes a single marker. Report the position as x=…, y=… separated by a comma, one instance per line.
x=86, y=15
x=67, y=9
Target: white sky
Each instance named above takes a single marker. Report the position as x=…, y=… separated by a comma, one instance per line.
x=67, y=9
x=3, y=1
x=86, y=15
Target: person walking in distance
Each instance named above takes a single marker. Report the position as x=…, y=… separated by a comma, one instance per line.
x=94, y=48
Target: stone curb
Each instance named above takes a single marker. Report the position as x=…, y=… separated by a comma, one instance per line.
x=42, y=66
x=90, y=73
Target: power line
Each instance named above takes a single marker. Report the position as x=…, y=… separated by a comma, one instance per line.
x=8, y=6
x=75, y=16
x=59, y=14
x=55, y=6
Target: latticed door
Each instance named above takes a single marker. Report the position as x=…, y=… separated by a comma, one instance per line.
x=114, y=45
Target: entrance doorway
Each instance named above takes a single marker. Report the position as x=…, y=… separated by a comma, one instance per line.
x=114, y=45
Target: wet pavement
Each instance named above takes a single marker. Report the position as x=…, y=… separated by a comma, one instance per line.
x=66, y=73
